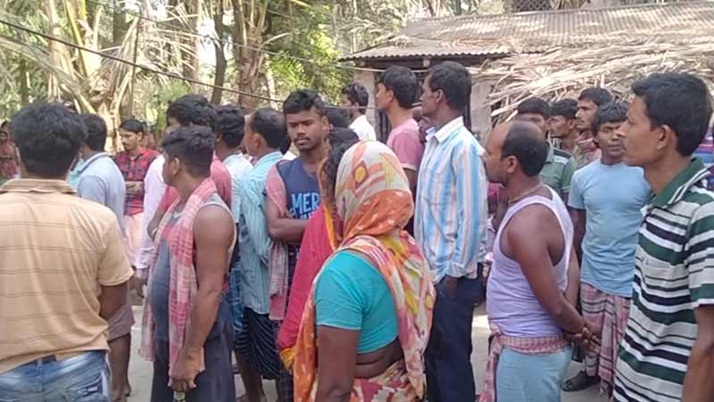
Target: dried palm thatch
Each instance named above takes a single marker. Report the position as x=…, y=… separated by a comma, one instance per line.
x=564, y=71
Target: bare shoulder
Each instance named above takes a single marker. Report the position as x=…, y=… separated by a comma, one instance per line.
x=213, y=218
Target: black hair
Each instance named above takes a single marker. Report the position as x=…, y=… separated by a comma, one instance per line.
x=96, y=137
x=303, y=100
x=192, y=109
x=567, y=108
x=402, y=82
x=357, y=94
x=613, y=112
x=527, y=145
x=454, y=80
x=339, y=135
x=680, y=101
x=534, y=105
x=230, y=124
x=270, y=124
x=285, y=147
x=598, y=96
x=193, y=146
x=134, y=126
x=48, y=136
x=337, y=117
x=5, y=124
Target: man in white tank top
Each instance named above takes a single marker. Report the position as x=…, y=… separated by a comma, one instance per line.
x=530, y=315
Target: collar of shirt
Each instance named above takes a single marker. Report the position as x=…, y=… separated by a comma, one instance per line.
x=270, y=158
x=141, y=151
x=229, y=158
x=91, y=160
x=551, y=154
x=37, y=186
x=446, y=130
x=675, y=190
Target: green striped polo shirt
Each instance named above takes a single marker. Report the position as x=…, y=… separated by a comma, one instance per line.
x=674, y=274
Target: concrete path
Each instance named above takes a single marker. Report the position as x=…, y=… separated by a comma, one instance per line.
x=140, y=371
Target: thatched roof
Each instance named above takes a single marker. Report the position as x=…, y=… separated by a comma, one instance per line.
x=536, y=32
x=566, y=71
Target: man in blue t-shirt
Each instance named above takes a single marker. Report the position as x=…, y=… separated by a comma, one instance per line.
x=292, y=196
x=606, y=201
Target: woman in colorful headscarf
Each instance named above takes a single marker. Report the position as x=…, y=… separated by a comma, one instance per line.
x=371, y=304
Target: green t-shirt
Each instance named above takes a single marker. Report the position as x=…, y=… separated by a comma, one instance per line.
x=558, y=170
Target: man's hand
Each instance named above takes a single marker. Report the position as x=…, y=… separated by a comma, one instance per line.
x=138, y=285
x=451, y=285
x=133, y=187
x=185, y=372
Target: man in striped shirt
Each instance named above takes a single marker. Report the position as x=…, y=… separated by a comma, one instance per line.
x=449, y=224
x=668, y=350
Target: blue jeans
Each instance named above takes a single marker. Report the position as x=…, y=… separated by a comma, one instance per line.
x=449, y=375
x=531, y=378
x=82, y=378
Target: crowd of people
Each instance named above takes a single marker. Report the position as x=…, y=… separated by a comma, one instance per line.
x=294, y=244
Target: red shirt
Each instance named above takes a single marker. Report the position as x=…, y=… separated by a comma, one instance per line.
x=134, y=168
x=220, y=176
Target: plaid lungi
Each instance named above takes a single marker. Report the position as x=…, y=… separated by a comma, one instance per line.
x=607, y=314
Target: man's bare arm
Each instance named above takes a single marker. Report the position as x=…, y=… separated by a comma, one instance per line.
x=213, y=237
x=698, y=384
x=337, y=359
x=111, y=299
x=578, y=216
x=529, y=239
x=285, y=230
x=571, y=292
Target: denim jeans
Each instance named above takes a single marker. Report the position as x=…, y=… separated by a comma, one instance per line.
x=82, y=378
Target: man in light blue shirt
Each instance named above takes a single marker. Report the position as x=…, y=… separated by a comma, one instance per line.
x=606, y=202
x=450, y=222
x=264, y=133
x=100, y=180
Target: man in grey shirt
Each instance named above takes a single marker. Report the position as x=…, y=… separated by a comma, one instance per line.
x=100, y=180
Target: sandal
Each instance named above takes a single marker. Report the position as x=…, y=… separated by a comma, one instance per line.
x=580, y=382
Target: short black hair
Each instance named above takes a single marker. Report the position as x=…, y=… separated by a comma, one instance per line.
x=534, y=105
x=567, y=108
x=337, y=117
x=454, y=80
x=402, y=82
x=680, y=101
x=134, y=126
x=230, y=124
x=48, y=136
x=193, y=146
x=598, y=96
x=303, y=100
x=527, y=145
x=357, y=94
x=613, y=112
x=340, y=135
x=192, y=109
x=96, y=137
x=270, y=124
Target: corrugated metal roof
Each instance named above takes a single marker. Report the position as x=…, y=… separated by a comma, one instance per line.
x=538, y=31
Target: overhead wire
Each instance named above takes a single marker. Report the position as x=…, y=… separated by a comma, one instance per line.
x=230, y=42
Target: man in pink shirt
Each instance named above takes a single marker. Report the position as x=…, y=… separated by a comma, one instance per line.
x=397, y=89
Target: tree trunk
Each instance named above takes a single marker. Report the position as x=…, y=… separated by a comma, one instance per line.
x=219, y=79
x=249, y=23
x=24, y=79
x=119, y=23
x=55, y=48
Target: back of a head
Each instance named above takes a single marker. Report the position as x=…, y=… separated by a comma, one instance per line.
x=303, y=100
x=598, y=96
x=527, y=145
x=534, y=105
x=342, y=136
x=680, y=101
x=192, y=109
x=613, y=112
x=357, y=95
x=269, y=124
x=567, y=108
x=193, y=146
x=454, y=80
x=48, y=136
x=96, y=131
x=337, y=117
x=230, y=124
x=402, y=82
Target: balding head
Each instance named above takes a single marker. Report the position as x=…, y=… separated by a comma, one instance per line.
x=515, y=147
